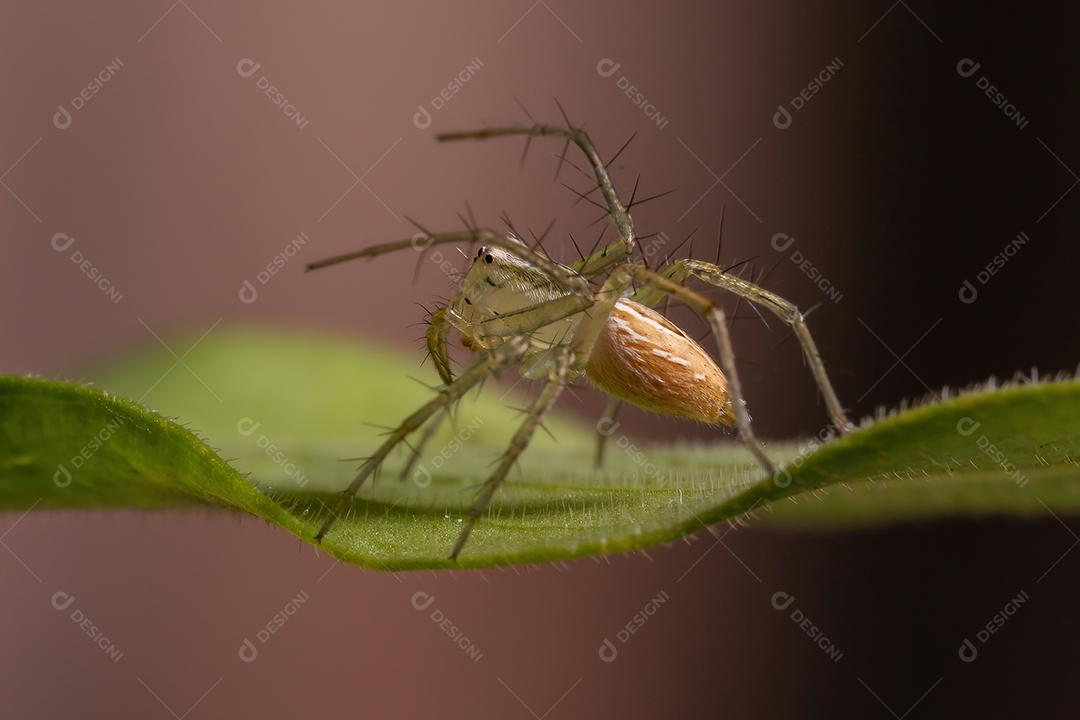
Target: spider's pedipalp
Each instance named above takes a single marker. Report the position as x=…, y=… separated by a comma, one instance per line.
x=438, y=329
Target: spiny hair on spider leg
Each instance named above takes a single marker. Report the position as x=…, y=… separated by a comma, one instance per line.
x=689, y=237
x=539, y=240
x=505, y=218
x=584, y=196
x=719, y=235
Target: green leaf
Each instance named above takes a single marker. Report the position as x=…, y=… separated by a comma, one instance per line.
x=285, y=408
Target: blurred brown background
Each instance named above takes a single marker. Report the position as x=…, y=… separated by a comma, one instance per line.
x=898, y=177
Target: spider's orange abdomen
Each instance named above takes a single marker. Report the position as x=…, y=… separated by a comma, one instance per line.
x=643, y=358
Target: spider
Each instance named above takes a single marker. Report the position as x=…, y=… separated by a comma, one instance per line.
x=517, y=307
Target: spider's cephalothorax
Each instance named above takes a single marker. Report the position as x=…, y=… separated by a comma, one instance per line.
x=516, y=306
x=500, y=283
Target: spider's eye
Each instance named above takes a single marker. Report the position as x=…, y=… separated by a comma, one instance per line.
x=480, y=252
x=488, y=259
x=468, y=301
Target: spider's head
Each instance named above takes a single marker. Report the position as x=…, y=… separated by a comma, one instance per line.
x=498, y=282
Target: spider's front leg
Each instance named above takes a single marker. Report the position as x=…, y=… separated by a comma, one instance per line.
x=623, y=246
x=534, y=416
x=679, y=270
x=567, y=278
x=506, y=354
x=518, y=323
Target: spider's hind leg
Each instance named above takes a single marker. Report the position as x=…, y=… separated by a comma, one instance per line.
x=718, y=324
x=617, y=282
x=679, y=270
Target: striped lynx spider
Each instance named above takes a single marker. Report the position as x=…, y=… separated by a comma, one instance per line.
x=518, y=307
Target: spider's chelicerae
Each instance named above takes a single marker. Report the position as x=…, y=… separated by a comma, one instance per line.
x=518, y=307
